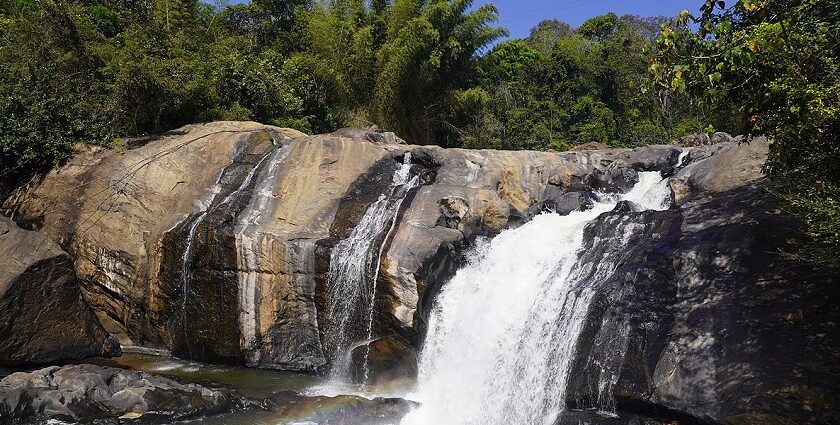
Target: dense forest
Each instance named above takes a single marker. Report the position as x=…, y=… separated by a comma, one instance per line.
x=434, y=72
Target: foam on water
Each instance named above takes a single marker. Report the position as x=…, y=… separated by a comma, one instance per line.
x=502, y=333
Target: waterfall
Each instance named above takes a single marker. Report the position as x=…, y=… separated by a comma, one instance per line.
x=354, y=271
x=502, y=334
x=186, y=256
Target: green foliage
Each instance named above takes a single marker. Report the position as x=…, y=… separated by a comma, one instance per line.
x=819, y=209
x=509, y=60
x=48, y=86
x=94, y=70
x=547, y=32
x=601, y=28
x=430, y=56
x=91, y=71
x=778, y=63
x=586, y=86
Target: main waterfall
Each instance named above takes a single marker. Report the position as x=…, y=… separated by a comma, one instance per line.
x=503, y=331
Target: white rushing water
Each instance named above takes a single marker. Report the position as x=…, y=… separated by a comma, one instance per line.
x=502, y=334
x=354, y=266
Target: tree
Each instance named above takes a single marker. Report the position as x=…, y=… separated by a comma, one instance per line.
x=601, y=27
x=779, y=62
x=547, y=32
x=646, y=26
x=431, y=55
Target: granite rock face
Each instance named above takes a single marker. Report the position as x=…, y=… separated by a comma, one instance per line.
x=704, y=318
x=213, y=241
x=43, y=317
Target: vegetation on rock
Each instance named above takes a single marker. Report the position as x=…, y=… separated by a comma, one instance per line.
x=776, y=65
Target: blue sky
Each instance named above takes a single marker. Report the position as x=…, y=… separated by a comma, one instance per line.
x=518, y=16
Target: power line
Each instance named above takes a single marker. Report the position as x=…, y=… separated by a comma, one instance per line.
x=547, y=8
x=539, y=14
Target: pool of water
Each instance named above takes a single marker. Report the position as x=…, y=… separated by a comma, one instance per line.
x=255, y=384
x=252, y=383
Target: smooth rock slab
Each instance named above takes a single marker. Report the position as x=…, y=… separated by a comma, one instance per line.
x=43, y=317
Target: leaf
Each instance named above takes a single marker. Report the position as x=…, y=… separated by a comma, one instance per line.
x=678, y=85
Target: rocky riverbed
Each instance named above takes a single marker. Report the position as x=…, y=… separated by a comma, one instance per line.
x=227, y=244
x=145, y=389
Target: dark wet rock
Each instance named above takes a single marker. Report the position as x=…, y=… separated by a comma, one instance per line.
x=647, y=158
x=43, y=316
x=627, y=207
x=339, y=410
x=388, y=360
x=87, y=393
x=613, y=180
x=704, y=320
x=210, y=284
x=562, y=202
x=593, y=417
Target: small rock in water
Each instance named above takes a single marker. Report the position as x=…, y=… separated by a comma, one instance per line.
x=626, y=207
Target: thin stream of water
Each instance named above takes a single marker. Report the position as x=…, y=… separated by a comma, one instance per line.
x=353, y=275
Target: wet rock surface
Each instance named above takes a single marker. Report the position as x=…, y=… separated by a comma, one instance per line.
x=43, y=317
x=388, y=360
x=593, y=417
x=704, y=318
x=94, y=394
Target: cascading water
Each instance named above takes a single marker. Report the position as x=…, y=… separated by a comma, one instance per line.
x=354, y=264
x=502, y=334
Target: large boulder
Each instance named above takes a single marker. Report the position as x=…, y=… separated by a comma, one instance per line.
x=705, y=317
x=214, y=241
x=43, y=316
x=84, y=393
